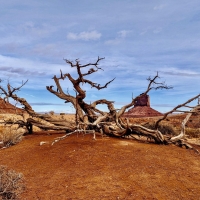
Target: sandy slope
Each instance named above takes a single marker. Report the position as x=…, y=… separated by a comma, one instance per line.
x=108, y=168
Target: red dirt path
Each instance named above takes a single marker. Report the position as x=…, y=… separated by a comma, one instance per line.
x=108, y=168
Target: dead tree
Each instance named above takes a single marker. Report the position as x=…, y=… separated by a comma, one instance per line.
x=87, y=114
x=89, y=118
x=43, y=121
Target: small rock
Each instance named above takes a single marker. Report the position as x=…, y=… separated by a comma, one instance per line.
x=43, y=142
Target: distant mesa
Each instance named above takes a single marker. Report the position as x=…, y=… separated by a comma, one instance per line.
x=142, y=108
x=7, y=108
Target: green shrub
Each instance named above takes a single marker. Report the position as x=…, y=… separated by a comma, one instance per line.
x=11, y=184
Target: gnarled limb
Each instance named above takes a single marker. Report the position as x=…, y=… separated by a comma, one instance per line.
x=42, y=121
x=90, y=119
x=153, y=85
x=176, y=109
x=182, y=134
x=78, y=101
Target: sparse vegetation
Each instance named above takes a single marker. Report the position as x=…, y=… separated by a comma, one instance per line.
x=165, y=129
x=10, y=135
x=51, y=112
x=11, y=184
x=192, y=132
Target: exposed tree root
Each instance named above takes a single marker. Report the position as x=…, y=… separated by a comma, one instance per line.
x=76, y=131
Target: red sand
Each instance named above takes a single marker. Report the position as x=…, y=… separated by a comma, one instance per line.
x=108, y=168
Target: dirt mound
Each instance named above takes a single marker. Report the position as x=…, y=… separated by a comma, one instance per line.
x=7, y=108
x=107, y=168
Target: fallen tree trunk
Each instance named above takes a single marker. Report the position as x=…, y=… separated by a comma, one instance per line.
x=90, y=119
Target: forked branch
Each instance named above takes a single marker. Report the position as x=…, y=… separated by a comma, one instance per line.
x=153, y=84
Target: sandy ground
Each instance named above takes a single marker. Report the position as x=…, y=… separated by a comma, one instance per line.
x=107, y=168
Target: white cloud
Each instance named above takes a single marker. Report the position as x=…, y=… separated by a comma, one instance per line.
x=37, y=30
x=33, y=42
x=179, y=72
x=117, y=40
x=20, y=68
x=90, y=35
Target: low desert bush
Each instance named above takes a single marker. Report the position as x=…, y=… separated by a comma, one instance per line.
x=11, y=184
x=192, y=132
x=10, y=135
x=163, y=128
x=51, y=112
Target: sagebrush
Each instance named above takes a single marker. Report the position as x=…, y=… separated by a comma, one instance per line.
x=192, y=132
x=165, y=129
x=11, y=183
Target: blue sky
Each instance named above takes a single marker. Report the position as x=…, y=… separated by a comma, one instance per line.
x=136, y=37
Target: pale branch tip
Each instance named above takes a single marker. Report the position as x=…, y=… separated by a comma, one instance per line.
x=153, y=84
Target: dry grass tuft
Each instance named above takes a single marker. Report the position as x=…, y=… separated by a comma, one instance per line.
x=10, y=135
x=192, y=132
x=165, y=129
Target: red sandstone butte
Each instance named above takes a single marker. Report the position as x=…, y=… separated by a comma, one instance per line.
x=142, y=108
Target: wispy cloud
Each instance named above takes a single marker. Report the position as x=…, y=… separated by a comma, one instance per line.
x=138, y=39
x=182, y=74
x=121, y=35
x=21, y=71
x=28, y=66
x=179, y=72
x=37, y=30
x=86, y=35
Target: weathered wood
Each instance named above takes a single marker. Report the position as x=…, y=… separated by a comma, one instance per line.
x=90, y=119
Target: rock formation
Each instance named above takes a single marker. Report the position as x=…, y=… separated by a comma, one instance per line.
x=142, y=108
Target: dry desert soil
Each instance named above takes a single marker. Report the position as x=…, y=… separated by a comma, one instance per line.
x=106, y=168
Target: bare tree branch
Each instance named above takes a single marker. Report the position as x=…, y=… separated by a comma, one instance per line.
x=175, y=109
x=156, y=85
x=89, y=118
